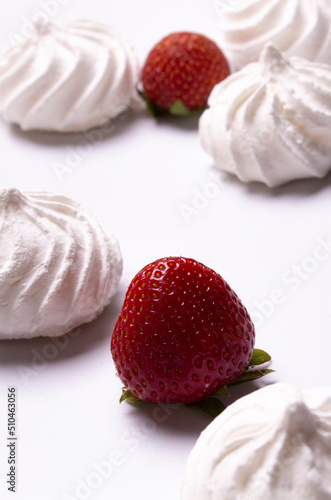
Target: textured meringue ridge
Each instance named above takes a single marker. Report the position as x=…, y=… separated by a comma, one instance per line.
x=60, y=267
x=269, y=121
x=69, y=76
x=274, y=443
x=298, y=27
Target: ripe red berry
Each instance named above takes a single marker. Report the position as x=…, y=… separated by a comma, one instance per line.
x=183, y=68
x=182, y=333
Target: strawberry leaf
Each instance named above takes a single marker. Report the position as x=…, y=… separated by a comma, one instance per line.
x=154, y=110
x=178, y=108
x=129, y=397
x=249, y=375
x=222, y=391
x=259, y=357
x=212, y=406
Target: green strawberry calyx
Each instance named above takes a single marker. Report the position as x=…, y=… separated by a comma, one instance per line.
x=154, y=110
x=178, y=108
x=213, y=406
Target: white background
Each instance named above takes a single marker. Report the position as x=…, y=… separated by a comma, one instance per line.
x=142, y=179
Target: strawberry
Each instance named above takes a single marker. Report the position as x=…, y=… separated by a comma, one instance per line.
x=182, y=333
x=180, y=72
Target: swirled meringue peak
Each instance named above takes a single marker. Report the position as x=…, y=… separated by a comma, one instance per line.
x=67, y=77
x=58, y=267
x=273, y=444
x=298, y=27
x=270, y=122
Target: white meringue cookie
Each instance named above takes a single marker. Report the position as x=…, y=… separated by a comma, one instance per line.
x=67, y=77
x=270, y=122
x=59, y=267
x=298, y=27
x=273, y=444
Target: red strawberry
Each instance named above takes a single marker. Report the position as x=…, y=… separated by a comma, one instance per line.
x=182, y=333
x=181, y=70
